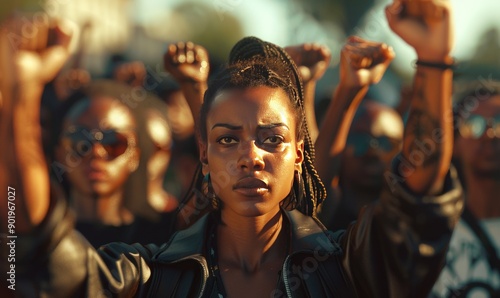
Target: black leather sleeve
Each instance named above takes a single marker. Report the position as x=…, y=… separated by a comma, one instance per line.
x=57, y=261
x=397, y=247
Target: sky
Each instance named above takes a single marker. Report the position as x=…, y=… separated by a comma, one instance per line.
x=280, y=22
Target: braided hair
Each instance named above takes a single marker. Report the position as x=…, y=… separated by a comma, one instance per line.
x=254, y=63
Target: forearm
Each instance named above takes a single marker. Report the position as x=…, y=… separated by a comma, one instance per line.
x=332, y=136
x=194, y=92
x=428, y=139
x=23, y=161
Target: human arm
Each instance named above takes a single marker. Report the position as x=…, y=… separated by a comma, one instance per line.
x=312, y=61
x=427, y=26
x=398, y=245
x=188, y=64
x=31, y=62
x=48, y=257
x=362, y=63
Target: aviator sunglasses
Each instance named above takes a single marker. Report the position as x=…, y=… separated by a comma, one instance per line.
x=476, y=126
x=362, y=142
x=82, y=139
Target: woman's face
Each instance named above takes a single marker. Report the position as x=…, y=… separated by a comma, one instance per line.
x=251, y=151
x=97, y=146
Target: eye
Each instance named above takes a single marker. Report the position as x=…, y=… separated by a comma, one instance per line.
x=273, y=140
x=226, y=140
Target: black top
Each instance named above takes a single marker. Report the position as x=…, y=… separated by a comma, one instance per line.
x=141, y=230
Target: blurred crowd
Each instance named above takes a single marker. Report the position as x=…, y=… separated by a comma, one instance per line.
x=123, y=150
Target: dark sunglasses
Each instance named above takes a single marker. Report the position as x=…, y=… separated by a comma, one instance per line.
x=83, y=139
x=362, y=142
x=475, y=126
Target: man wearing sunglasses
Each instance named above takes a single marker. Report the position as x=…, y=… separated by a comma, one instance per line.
x=473, y=265
x=374, y=138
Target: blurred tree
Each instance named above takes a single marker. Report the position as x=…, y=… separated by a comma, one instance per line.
x=214, y=27
x=7, y=7
x=486, y=59
x=346, y=13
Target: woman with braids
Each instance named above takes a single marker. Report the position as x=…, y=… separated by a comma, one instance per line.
x=261, y=238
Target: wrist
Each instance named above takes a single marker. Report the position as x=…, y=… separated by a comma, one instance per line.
x=446, y=59
x=446, y=64
x=193, y=84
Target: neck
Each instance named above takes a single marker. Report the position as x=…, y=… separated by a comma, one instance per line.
x=482, y=197
x=249, y=243
x=107, y=210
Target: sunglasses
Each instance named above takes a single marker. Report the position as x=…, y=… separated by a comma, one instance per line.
x=362, y=142
x=476, y=126
x=82, y=140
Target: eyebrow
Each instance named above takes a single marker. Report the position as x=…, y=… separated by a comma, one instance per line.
x=260, y=126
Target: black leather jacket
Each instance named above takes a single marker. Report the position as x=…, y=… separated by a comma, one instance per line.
x=395, y=249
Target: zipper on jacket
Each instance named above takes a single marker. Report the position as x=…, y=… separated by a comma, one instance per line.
x=285, y=277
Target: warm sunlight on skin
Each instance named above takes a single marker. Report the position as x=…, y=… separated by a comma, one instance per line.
x=482, y=155
x=93, y=171
x=252, y=150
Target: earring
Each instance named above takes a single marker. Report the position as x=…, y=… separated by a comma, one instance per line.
x=207, y=182
x=209, y=191
x=298, y=188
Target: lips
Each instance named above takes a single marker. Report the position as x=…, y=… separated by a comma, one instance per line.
x=250, y=186
x=96, y=174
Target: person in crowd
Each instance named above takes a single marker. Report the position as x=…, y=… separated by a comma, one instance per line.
x=473, y=265
x=257, y=172
x=189, y=66
x=97, y=149
x=359, y=136
x=373, y=141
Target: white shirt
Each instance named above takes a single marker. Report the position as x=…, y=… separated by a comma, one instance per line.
x=466, y=263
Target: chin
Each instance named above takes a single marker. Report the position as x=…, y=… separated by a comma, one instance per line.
x=253, y=209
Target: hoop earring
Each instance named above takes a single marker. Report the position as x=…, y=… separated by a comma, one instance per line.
x=298, y=189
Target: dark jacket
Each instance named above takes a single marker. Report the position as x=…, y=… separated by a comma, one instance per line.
x=395, y=249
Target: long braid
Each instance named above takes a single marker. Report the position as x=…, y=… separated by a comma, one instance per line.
x=314, y=183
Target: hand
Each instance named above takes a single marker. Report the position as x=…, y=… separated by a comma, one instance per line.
x=131, y=73
x=311, y=59
x=363, y=63
x=37, y=57
x=426, y=25
x=187, y=62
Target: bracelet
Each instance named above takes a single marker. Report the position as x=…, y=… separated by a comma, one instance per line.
x=443, y=66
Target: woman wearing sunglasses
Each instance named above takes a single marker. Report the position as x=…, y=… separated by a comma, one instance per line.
x=97, y=150
x=257, y=169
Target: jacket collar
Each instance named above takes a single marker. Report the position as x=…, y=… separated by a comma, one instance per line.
x=307, y=235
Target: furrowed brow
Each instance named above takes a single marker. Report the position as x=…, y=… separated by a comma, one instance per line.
x=228, y=126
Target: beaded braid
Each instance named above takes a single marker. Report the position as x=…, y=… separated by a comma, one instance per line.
x=249, y=63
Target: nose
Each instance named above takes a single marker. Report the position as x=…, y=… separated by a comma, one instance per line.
x=99, y=151
x=251, y=157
